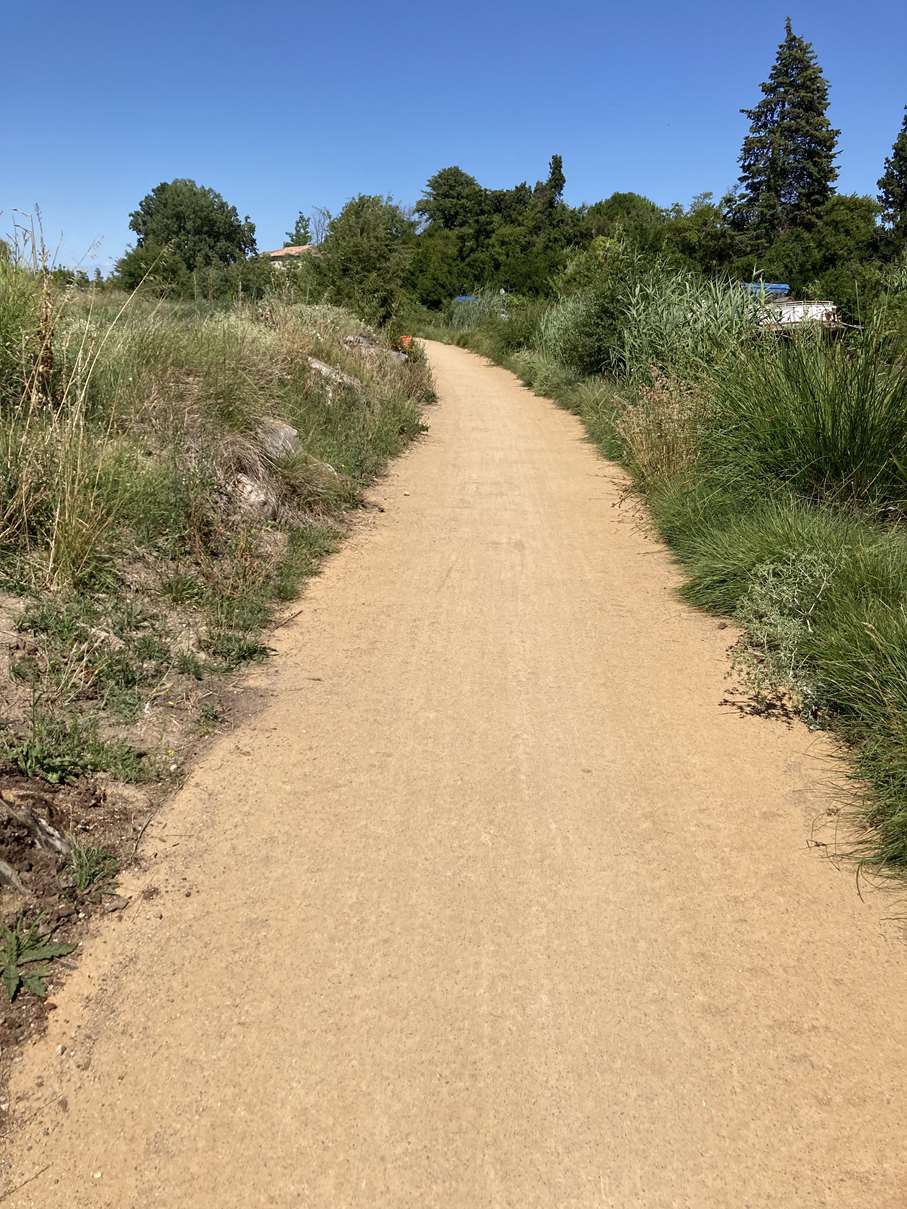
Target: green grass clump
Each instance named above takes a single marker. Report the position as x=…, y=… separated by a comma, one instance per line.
x=825, y=420
x=59, y=748
x=90, y=867
x=23, y=947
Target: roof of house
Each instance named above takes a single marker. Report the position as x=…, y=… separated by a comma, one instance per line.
x=280, y=253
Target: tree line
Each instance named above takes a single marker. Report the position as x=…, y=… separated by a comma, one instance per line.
x=783, y=221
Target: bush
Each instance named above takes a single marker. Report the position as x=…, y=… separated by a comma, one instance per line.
x=580, y=331
x=473, y=310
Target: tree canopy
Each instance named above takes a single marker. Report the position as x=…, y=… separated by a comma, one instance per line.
x=365, y=256
x=182, y=227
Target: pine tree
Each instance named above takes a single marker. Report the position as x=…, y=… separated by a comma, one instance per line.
x=893, y=186
x=556, y=179
x=787, y=164
x=301, y=233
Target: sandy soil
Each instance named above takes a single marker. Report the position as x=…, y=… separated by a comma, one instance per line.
x=493, y=904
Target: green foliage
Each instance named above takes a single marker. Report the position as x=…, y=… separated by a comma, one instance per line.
x=90, y=867
x=893, y=188
x=452, y=200
x=777, y=613
x=787, y=159
x=629, y=216
x=682, y=324
x=183, y=228
x=301, y=235
x=556, y=182
x=825, y=420
x=472, y=310
x=512, y=239
x=57, y=749
x=366, y=256
x=580, y=330
x=21, y=947
x=195, y=221
x=699, y=237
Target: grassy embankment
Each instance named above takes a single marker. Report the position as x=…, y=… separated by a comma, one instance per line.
x=776, y=469
x=168, y=473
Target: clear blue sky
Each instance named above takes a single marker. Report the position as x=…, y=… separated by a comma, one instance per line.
x=284, y=106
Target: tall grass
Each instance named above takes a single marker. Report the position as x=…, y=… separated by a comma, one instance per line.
x=825, y=420
x=473, y=310
x=682, y=325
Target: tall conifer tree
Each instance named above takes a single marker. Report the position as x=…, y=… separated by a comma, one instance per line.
x=787, y=167
x=893, y=186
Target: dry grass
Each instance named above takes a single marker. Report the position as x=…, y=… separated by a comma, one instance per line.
x=660, y=428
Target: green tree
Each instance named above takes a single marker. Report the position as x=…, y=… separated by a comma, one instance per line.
x=156, y=266
x=556, y=181
x=787, y=167
x=182, y=227
x=893, y=187
x=699, y=236
x=630, y=214
x=513, y=239
x=437, y=271
x=452, y=199
x=301, y=233
x=365, y=257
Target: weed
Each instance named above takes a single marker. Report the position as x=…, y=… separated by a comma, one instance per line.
x=21, y=947
x=59, y=749
x=90, y=867
x=182, y=587
x=187, y=663
x=210, y=717
x=777, y=614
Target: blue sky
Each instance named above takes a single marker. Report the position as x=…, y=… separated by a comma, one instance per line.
x=284, y=106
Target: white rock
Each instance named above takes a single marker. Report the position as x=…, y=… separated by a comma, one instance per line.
x=277, y=439
x=254, y=498
x=330, y=374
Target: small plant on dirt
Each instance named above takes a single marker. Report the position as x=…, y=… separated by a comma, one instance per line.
x=90, y=867
x=21, y=947
x=187, y=663
x=210, y=717
x=772, y=657
x=59, y=749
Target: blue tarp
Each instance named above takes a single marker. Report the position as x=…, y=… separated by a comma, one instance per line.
x=766, y=287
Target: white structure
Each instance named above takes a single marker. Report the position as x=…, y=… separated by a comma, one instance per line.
x=788, y=313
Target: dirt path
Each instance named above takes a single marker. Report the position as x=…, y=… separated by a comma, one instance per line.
x=492, y=905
